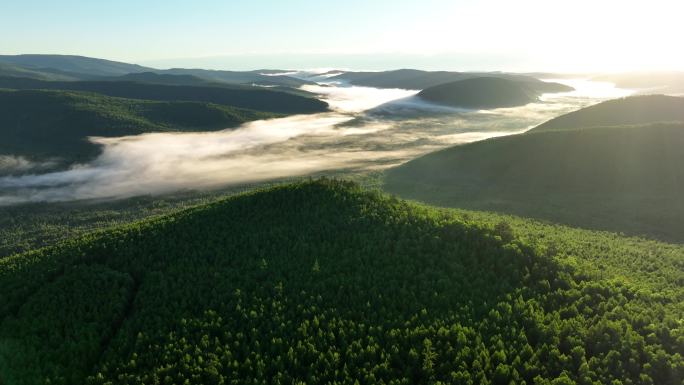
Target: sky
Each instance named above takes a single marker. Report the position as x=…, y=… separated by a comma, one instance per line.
x=523, y=35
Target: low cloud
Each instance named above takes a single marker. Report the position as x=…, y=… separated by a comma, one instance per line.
x=10, y=164
x=365, y=132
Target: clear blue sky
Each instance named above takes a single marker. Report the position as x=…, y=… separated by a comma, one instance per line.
x=450, y=34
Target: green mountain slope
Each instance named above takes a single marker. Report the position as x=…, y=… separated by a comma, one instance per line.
x=160, y=78
x=617, y=178
x=12, y=70
x=254, y=98
x=75, y=64
x=71, y=67
x=617, y=112
x=485, y=92
x=321, y=282
x=239, y=77
x=45, y=124
x=419, y=80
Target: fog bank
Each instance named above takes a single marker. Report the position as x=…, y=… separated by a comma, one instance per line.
x=368, y=129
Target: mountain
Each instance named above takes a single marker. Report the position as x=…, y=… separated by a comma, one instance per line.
x=48, y=124
x=239, y=77
x=321, y=282
x=160, y=78
x=255, y=98
x=420, y=80
x=7, y=69
x=631, y=110
x=73, y=64
x=620, y=178
x=70, y=67
x=480, y=93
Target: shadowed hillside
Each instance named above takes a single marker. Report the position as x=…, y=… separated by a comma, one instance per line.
x=617, y=112
x=621, y=178
x=237, y=96
x=419, y=80
x=75, y=64
x=43, y=124
x=11, y=70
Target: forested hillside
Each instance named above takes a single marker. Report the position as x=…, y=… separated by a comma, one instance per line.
x=626, y=179
x=618, y=112
x=255, y=98
x=72, y=67
x=45, y=124
x=420, y=80
x=484, y=92
x=321, y=282
x=11, y=70
x=81, y=65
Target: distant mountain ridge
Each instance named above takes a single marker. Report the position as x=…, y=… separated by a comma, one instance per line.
x=8, y=69
x=254, y=98
x=238, y=77
x=75, y=64
x=72, y=67
x=160, y=78
x=420, y=80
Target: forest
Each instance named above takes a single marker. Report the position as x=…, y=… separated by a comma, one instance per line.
x=324, y=282
x=611, y=166
x=240, y=96
x=54, y=124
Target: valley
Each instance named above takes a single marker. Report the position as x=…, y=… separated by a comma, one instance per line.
x=199, y=226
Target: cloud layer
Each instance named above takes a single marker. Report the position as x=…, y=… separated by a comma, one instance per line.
x=369, y=129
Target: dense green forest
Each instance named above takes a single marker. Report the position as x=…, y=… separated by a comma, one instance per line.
x=484, y=92
x=46, y=124
x=322, y=282
x=255, y=98
x=30, y=226
x=619, y=178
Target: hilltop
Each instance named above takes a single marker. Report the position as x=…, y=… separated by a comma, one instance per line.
x=322, y=282
x=239, y=77
x=480, y=93
x=420, y=80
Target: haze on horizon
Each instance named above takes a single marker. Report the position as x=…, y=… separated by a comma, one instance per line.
x=528, y=35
